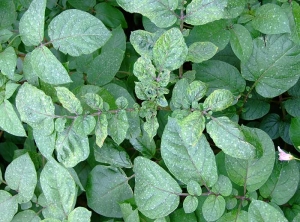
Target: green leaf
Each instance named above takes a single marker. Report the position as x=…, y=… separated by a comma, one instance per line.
x=105, y=66
x=69, y=100
x=201, y=51
x=20, y=175
x=58, y=187
x=273, y=65
x=82, y=5
x=170, y=50
x=283, y=182
x=9, y=120
x=35, y=108
x=46, y=66
x=200, y=12
x=144, y=70
x=270, y=19
x=252, y=174
x=106, y=188
x=234, y=8
x=270, y=124
x=295, y=132
x=234, y=216
x=187, y=162
x=26, y=215
x=263, y=212
x=151, y=126
x=101, y=129
x=218, y=100
x=118, y=126
x=110, y=16
x=84, y=125
x=241, y=42
x=220, y=75
x=196, y=91
x=223, y=186
x=7, y=13
x=79, y=214
x=1, y=178
x=8, y=62
x=179, y=216
x=112, y=154
x=45, y=142
x=160, y=13
x=116, y=41
x=5, y=35
x=10, y=88
x=190, y=204
x=228, y=136
x=144, y=145
x=71, y=148
x=31, y=25
x=295, y=21
x=128, y=213
x=213, y=207
x=194, y=188
x=76, y=32
x=292, y=105
x=94, y=101
x=8, y=205
x=156, y=193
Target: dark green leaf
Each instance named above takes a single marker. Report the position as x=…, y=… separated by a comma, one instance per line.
x=270, y=124
x=7, y=13
x=234, y=216
x=179, y=216
x=145, y=145
x=110, y=16
x=213, y=207
x=116, y=41
x=295, y=132
x=82, y=5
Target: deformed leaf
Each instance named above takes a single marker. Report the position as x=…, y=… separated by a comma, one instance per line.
x=106, y=188
x=75, y=32
x=213, y=207
x=201, y=51
x=144, y=70
x=8, y=205
x=8, y=62
x=20, y=175
x=31, y=25
x=79, y=214
x=151, y=126
x=69, y=100
x=156, y=193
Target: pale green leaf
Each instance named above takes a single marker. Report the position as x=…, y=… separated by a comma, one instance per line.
x=241, y=42
x=200, y=12
x=31, y=25
x=170, y=50
x=75, y=32
x=9, y=120
x=260, y=211
x=106, y=188
x=45, y=142
x=270, y=19
x=234, y=8
x=201, y=51
x=282, y=183
x=196, y=91
x=144, y=70
x=20, y=175
x=101, y=129
x=223, y=186
x=94, y=101
x=8, y=62
x=84, y=125
x=58, y=187
x=218, y=100
x=27, y=215
x=5, y=35
x=213, y=207
x=252, y=173
x=156, y=193
x=10, y=88
x=190, y=204
x=118, y=126
x=79, y=214
x=71, y=148
x=35, y=108
x=161, y=13
x=128, y=213
x=180, y=97
x=187, y=162
x=29, y=73
x=228, y=136
x=151, y=126
x=273, y=65
x=46, y=66
x=8, y=206
x=194, y=188
x=69, y=100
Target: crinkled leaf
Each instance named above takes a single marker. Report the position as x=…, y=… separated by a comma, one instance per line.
x=218, y=100
x=170, y=50
x=46, y=66
x=118, y=126
x=8, y=62
x=75, y=32
x=200, y=12
x=9, y=120
x=201, y=51
x=101, y=129
x=228, y=136
x=144, y=70
x=68, y=100
x=31, y=25
x=213, y=207
x=190, y=204
x=106, y=188
x=270, y=19
x=273, y=65
x=26, y=215
x=151, y=126
x=8, y=205
x=156, y=193
x=187, y=162
x=20, y=175
x=79, y=214
x=84, y=125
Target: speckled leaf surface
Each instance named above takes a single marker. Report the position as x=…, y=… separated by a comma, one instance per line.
x=128, y=213
x=187, y=162
x=20, y=175
x=58, y=187
x=170, y=50
x=8, y=62
x=75, y=32
x=273, y=66
x=46, y=66
x=190, y=204
x=223, y=186
x=7, y=13
x=69, y=100
x=79, y=214
x=201, y=51
x=200, y=12
x=156, y=193
x=9, y=120
x=26, y=215
x=234, y=8
x=84, y=125
x=101, y=131
x=160, y=12
x=8, y=205
x=31, y=25
x=106, y=188
x=218, y=100
x=253, y=173
x=229, y=137
x=213, y=207
x=35, y=108
x=260, y=211
x=45, y=142
x=271, y=19
x=283, y=182
x=118, y=126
